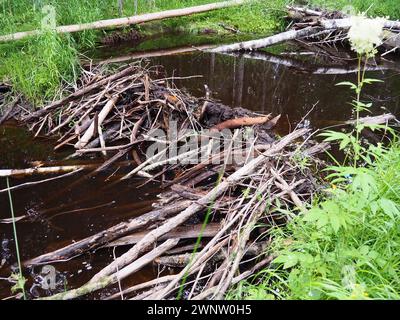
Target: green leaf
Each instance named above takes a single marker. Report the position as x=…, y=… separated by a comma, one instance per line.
x=370, y=80
x=347, y=83
x=289, y=260
x=389, y=207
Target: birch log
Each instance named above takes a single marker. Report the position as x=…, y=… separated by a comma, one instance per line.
x=346, y=24
x=269, y=41
x=120, y=22
x=42, y=170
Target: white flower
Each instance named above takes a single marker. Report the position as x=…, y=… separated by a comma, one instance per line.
x=366, y=34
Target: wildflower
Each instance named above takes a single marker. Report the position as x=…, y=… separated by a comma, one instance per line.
x=366, y=34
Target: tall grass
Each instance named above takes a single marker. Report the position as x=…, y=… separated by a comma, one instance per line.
x=386, y=8
x=39, y=67
x=19, y=278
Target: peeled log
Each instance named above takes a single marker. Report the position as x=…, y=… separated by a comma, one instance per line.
x=269, y=41
x=42, y=170
x=102, y=116
x=240, y=122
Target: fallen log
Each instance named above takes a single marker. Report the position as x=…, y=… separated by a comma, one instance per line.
x=110, y=234
x=269, y=41
x=381, y=119
x=151, y=54
x=346, y=23
x=121, y=22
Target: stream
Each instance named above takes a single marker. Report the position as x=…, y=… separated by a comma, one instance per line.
x=66, y=210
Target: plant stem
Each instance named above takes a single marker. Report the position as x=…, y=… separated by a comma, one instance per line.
x=15, y=235
x=360, y=82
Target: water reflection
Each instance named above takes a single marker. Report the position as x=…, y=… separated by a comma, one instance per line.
x=271, y=86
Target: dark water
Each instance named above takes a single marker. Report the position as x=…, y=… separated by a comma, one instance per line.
x=292, y=87
x=268, y=87
x=51, y=223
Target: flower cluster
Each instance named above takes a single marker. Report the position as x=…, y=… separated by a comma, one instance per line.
x=366, y=34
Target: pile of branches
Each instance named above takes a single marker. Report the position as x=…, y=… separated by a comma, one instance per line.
x=212, y=222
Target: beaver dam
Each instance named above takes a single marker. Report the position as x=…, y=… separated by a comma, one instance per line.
x=146, y=183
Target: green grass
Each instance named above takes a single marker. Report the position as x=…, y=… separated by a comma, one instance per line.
x=39, y=67
x=386, y=8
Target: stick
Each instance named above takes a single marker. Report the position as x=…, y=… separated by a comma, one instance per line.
x=240, y=122
x=185, y=232
x=80, y=93
x=141, y=286
x=28, y=184
x=42, y=170
x=102, y=116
